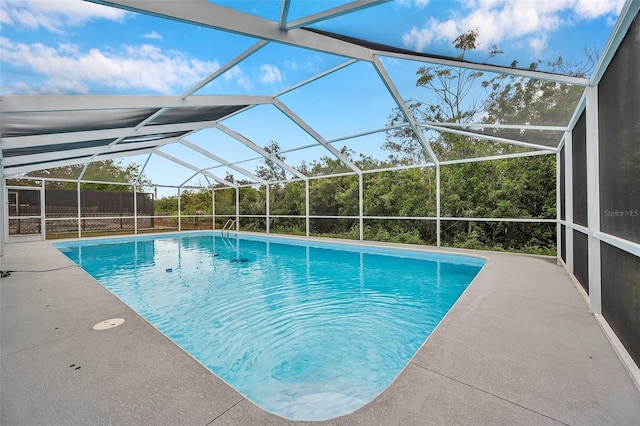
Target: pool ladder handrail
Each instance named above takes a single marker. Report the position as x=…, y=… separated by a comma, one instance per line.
x=230, y=223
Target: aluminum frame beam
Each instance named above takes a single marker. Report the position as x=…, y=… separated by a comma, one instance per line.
x=249, y=144
x=332, y=13
x=411, y=121
x=315, y=135
x=218, y=17
x=259, y=45
x=498, y=157
x=194, y=168
x=490, y=138
x=46, y=103
x=593, y=200
x=538, y=75
x=284, y=13
x=316, y=77
x=496, y=126
x=368, y=132
x=221, y=161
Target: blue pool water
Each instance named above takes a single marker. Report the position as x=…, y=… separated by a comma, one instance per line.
x=306, y=330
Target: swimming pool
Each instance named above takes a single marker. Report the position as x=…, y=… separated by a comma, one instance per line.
x=306, y=330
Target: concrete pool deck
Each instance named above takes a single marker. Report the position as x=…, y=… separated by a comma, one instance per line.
x=519, y=347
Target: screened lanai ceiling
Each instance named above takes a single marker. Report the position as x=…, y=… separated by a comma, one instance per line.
x=207, y=90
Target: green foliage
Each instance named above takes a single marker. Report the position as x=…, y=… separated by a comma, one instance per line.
x=466, y=41
x=24, y=182
x=517, y=100
x=271, y=171
x=106, y=171
x=225, y=202
x=409, y=192
x=510, y=188
x=516, y=188
x=253, y=200
x=166, y=206
x=195, y=202
x=335, y=228
x=293, y=226
x=407, y=232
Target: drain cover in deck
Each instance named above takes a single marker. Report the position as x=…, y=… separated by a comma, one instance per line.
x=107, y=324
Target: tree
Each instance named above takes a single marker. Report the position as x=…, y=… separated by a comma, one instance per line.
x=522, y=187
x=105, y=171
x=271, y=171
x=455, y=99
x=517, y=100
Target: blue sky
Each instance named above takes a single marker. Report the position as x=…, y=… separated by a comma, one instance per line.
x=76, y=47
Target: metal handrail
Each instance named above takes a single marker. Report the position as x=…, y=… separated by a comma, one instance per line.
x=229, y=222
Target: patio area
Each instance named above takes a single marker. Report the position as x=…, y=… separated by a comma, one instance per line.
x=519, y=347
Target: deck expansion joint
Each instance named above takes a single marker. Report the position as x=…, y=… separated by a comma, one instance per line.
x=225, y=411
x=489, y=393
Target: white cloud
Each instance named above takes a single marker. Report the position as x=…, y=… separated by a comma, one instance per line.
x=292, y=65
x=237, y=75
x=590, y=9
x=500, y=20
x=420, y=38
x=313, y=63
x=153, y=36
x=270, y=74
x=420, y=4
x=24, y=89
x=54, y=15
x=67, y=69
x=538, y=44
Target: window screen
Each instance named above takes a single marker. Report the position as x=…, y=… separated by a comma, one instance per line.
x=563, y=243
x=621, y=296
x=619, y=144
x=563, y=213
x=581, y=259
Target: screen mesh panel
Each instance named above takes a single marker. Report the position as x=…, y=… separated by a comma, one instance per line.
x=563, y=202
x=563, y=243
x=546, y=138
x=579, y=162
x=98, y=209
x=106, y=203
x=581, y=259
x=41, y=123
x=621, y=296
x=41, y=149
x=619, y=134
x=195, y=114
x=155, y=137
